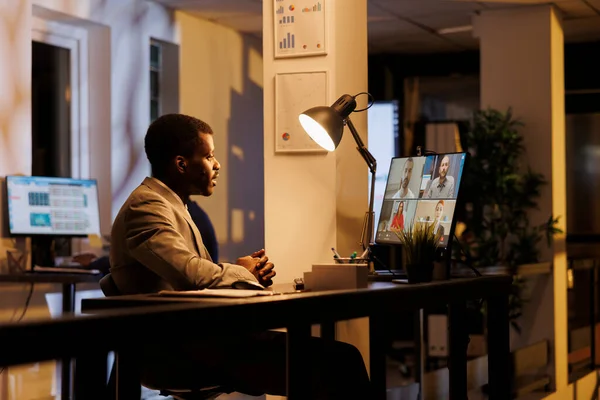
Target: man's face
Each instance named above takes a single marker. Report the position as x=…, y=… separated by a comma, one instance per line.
x=408, y=167
x=444, y=166
x=203, y=168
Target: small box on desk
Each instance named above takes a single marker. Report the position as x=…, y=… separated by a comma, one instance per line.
x=336, y=276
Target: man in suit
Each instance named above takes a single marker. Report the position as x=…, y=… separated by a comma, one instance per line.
x=199, y=216
x=155, y=245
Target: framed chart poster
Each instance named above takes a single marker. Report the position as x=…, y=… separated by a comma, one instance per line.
x=299, y=28
x=294, y=94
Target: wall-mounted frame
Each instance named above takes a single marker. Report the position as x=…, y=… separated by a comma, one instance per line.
x=295, y=93
x=299, y=28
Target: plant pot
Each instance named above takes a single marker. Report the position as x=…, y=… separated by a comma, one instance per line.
x=419, y=273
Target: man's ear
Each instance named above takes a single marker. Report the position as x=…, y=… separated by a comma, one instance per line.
x=180, y=164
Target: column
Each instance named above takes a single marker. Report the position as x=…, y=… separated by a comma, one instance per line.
x=522, y=67
x=315, y=201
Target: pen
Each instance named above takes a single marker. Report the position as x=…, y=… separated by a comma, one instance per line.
x=335, y=253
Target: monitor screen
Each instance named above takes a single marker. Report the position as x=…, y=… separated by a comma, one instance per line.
x=420, y=189
x=52, y=206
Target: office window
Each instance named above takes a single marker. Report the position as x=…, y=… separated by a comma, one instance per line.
x=164, y=78
x=383, y=126
x=155, y=79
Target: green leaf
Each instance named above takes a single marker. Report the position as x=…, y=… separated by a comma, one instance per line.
x=499, y=191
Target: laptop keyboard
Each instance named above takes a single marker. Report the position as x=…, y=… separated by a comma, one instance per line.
x=387, y=276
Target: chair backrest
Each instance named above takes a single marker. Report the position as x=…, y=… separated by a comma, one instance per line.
x=108, y=286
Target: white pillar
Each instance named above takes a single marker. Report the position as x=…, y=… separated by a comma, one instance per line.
x=522, y=67
x=314, y=202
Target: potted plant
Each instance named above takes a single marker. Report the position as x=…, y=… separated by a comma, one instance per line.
x=420, y=242
x=497, y=193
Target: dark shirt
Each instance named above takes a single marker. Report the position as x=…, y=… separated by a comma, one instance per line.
x=206, y=229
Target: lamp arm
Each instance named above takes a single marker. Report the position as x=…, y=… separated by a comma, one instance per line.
x=362, y=149
x=367, y=238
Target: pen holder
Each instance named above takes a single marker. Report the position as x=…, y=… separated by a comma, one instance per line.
x=337, y=276
x=350, y=260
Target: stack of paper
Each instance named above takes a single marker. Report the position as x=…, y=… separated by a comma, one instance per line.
x=234, y=293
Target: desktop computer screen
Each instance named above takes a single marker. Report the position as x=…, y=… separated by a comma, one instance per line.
x=52, y=206
x=421, y=190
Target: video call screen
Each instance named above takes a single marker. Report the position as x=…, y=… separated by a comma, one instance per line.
x=420, y=190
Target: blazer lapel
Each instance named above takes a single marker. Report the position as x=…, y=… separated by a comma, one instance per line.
x=182, y=210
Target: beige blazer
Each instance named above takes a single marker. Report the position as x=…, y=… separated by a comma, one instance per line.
x=155, y=245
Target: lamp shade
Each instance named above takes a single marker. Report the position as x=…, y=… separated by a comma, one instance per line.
x=325, y=125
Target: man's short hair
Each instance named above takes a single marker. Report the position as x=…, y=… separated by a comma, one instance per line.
x=172, y=135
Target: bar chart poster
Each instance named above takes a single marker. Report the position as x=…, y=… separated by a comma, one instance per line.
x=295, y=93
x=299, y=28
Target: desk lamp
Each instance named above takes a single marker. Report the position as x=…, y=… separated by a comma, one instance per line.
x=325, y=125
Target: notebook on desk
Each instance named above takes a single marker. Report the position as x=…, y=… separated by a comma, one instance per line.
x=227, y=293
x=65, y=270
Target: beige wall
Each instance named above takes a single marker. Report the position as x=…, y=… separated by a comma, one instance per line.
x=117, y=86
x=221, y=83
x=314, y=202
x=15, y=81
x=118, y=81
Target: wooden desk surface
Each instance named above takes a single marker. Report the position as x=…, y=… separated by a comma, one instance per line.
x=128, y=327
x=125, y=327
x=404, y=296
x=47, y=277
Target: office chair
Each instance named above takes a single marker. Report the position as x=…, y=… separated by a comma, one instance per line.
x=109, y=288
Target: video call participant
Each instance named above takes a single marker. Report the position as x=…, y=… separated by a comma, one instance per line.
x=443, y=185
x=404, y=192
x=155, y=246
x=439, y=211
x=397, y=222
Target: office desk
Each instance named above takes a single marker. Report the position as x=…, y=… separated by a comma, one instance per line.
x=381, y=301
x=68, y=282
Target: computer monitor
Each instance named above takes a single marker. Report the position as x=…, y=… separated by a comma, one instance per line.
x=52, y=206
x=421, y=189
